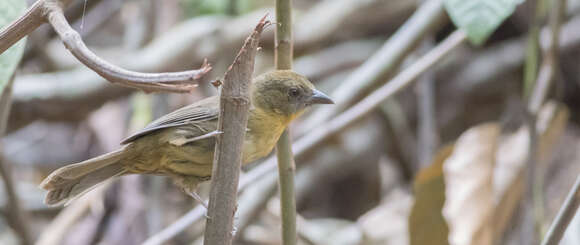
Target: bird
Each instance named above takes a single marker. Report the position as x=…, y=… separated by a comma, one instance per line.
x=181, y=144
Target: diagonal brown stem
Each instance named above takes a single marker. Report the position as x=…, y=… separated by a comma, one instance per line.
x=233, y=118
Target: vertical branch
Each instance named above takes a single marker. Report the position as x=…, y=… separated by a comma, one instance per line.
x=286, y=166
x=233, y=118
x=16, y=216
x=534, y=202
x=530, y=206
x=284, y=48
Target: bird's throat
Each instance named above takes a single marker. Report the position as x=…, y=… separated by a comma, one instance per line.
x=264, y=129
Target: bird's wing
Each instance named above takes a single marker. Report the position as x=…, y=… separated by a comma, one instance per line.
x=203, y=110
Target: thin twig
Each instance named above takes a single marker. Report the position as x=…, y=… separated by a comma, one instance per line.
x=323, y=132
x=233, y=118
x=564, y=216
x=17, y=218
x=286, y=166
x=180, y=82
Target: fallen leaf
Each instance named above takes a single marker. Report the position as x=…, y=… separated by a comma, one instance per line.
x=468, y=175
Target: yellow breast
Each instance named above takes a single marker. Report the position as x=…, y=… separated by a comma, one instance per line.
x=264, y=129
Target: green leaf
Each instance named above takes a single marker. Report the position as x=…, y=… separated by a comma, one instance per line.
x=10, y=10
x=479, y=18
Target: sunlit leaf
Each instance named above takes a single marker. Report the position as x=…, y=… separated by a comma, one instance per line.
x=479, y=18
x=10, y=10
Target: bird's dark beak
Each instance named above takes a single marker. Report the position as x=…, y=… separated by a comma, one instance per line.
x=319, y=98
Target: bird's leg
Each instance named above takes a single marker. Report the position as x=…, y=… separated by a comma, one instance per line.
x=197, y=198
x=200, y=200
x=188, y=185
x=182, y=140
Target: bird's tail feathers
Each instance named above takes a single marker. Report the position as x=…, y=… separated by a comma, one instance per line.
x=69, y=182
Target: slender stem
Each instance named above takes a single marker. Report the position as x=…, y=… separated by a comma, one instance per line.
x=532, y=204
x=564, y=216
x=286, y=165
x=536, y=97
x=284, y=47
x=233, y=118
x=286, y=172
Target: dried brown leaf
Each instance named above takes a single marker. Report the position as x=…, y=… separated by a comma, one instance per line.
x=469, y=186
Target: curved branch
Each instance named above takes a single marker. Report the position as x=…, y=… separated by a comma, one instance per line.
x=52, y=11
x=180, y=82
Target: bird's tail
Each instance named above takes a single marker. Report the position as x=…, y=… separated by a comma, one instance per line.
x=71, y=181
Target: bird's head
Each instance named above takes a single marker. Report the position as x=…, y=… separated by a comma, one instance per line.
x=286, y=93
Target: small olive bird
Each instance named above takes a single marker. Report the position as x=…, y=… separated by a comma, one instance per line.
x=181, y=144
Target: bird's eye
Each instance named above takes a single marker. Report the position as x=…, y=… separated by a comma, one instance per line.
x=293, y=92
